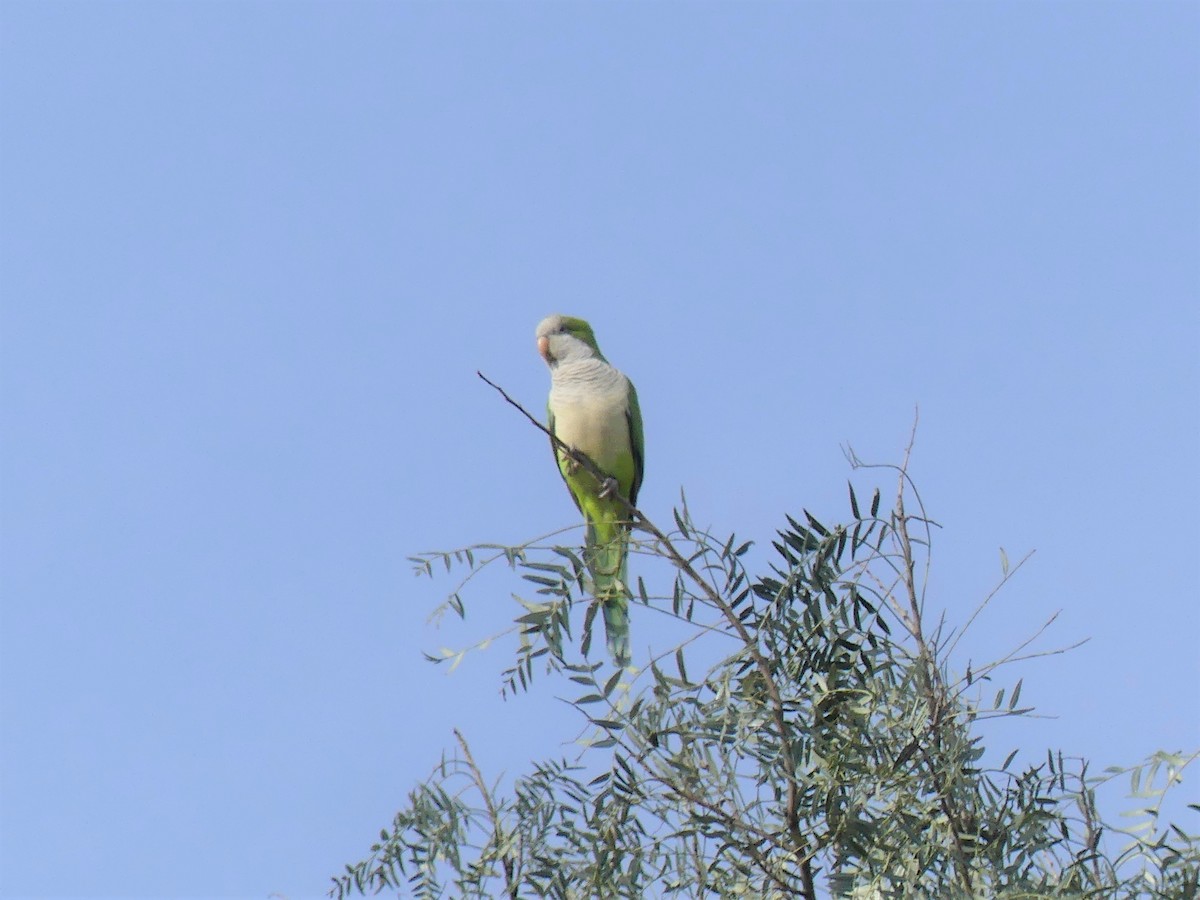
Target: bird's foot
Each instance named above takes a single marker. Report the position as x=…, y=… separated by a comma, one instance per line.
x=609, y=488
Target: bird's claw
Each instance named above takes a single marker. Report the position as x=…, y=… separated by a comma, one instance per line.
x=609, y=488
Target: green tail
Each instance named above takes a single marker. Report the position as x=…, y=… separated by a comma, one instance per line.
x=607, y=557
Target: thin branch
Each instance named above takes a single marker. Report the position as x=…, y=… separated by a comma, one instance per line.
x=497, y=825
x=937, y=696
x=578, y=456
x=1012, y=658
x=949, y=651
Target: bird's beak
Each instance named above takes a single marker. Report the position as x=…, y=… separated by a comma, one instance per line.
x=544, y=347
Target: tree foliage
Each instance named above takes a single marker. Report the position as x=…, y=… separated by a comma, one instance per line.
x=807, y=735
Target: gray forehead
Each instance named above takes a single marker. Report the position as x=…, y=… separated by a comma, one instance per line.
x=548, y=325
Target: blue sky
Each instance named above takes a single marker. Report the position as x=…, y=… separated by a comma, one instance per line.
x=252, y=254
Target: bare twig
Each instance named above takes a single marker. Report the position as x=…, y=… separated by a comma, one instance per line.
x=938, y=701
x=1015, y=654
x=497, y=825
x=577, y=455
x=986, y=600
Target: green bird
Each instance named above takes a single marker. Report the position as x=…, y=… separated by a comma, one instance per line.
x=593, y=409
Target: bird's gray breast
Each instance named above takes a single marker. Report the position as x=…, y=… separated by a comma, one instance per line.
x=589, y=407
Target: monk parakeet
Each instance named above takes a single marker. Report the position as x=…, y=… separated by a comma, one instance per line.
x=593, y=408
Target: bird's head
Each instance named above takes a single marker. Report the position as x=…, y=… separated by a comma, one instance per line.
x=565, y=338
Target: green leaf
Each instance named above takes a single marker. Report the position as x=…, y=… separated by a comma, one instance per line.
x=541, y=579
x=545, y=567
x=1016, y=694
x=612, y=682
x=740, y=598
x=906, y=754
x=802, y=542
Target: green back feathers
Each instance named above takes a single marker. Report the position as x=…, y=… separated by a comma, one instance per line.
x=637, y=442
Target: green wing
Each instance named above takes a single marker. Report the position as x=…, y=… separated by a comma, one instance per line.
x=633, y=415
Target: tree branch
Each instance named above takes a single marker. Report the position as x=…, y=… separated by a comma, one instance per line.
x=497, y=826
